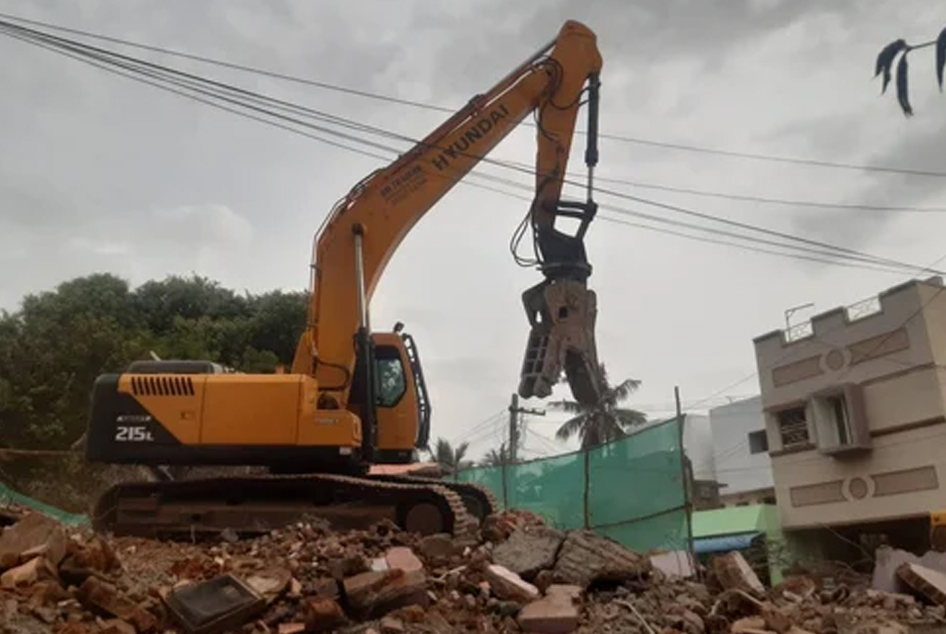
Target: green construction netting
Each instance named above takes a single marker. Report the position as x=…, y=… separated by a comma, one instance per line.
x=631, y=490
x=9, y=496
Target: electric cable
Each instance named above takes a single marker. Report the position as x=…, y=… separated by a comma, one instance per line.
x=432, y=107
x=862, y=257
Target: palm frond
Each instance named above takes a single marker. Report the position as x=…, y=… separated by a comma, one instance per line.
x=571, y=427
x=460, y=452
x=443, y=452
x=569, y=407
x=630, y=417
x=625, y=388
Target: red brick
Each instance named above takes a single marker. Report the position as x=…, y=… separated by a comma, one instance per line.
x=322, y=615
x=404, y=559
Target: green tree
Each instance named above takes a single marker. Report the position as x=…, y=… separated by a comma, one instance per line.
x=450, y=460
x=496, y=457
x=59, y=341
x=603, y=421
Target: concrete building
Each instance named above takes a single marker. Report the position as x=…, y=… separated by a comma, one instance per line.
x=854, y=413
x=742, y=466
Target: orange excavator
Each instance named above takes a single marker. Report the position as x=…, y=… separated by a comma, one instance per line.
x=354, y=397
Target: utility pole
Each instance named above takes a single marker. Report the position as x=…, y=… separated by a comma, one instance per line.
x=514, y=412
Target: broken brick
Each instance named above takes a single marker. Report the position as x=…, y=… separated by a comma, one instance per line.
x=33, y=536
x=556, y=613
x=270, y=584
x=507, y=585
x=586, y=557
x=376, y=593
x=101, y=596
x=33, y=571
x=322, y=615
x=734, y=573
x=403, y=559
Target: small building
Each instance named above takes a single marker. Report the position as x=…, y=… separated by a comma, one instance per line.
x=753, y=530
x=855, y=419
x=740, y=448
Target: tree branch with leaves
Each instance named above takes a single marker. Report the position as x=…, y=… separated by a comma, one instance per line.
x=450, y=460
x=900, y=48
x=603, y=421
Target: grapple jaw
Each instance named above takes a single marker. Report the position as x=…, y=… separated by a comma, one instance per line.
x=562, y=314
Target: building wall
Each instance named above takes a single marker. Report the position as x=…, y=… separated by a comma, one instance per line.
x=887, y=461
x=735, y=465
x=698, y=445
x=747, y=498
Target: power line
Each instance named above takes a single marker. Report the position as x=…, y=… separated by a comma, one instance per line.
x=418, y=104
x=188, y=83
x=889, y=264
x=788, y=202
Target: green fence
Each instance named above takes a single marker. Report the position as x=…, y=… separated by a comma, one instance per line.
x=632, y=490
x=9, y=496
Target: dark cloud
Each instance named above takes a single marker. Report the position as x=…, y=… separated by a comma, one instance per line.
x=489, y=37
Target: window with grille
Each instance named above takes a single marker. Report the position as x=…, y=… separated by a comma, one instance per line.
x=793, y=427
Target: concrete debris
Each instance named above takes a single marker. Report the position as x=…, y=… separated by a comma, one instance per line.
x=528, y=552
x=930, y=583
x=734, y=573
x=556, y=613
x=521, y=576
x=33, y=536
x=585, y=558
x=889, y=560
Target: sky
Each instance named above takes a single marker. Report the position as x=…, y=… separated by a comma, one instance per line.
x=100, y=173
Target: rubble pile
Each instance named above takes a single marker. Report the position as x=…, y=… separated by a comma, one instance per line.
x=521, y=576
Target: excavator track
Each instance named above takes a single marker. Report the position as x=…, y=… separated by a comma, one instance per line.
x=479, y=500
x=259, y=504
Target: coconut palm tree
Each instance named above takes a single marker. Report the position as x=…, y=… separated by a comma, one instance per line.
x=450, y=460
x=496, y=457
x=603, y=421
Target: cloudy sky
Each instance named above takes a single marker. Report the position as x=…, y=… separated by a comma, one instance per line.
x=99, y=173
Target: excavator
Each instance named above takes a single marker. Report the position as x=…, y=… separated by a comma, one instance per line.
x=354, y=397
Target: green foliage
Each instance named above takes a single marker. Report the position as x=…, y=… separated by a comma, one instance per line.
x=603, y=421
x=59, y=341
x=450, y=460
x=496, y=457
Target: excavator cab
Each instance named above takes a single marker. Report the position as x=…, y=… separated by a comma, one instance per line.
x=402, y=403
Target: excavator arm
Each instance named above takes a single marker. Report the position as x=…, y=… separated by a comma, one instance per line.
x=365, y=228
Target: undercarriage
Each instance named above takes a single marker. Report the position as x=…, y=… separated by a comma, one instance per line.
x=260, y=503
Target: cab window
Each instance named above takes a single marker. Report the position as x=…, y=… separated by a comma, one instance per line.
x=391, y=381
